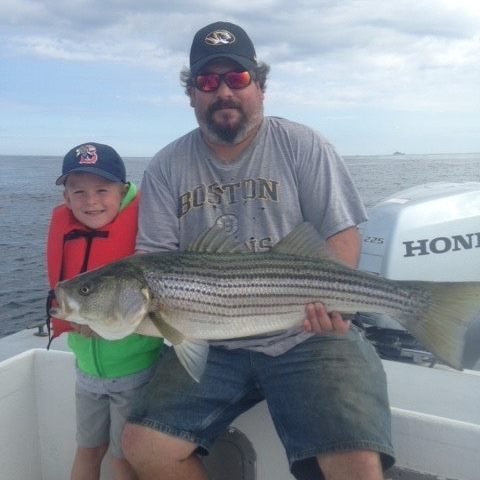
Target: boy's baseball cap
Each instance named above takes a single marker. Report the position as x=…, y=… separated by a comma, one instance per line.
x=222, y=40
x=96, y=158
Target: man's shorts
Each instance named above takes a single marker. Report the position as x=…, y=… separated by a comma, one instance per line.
x=327, y=394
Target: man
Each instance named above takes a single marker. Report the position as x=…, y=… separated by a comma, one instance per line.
x=257, y=178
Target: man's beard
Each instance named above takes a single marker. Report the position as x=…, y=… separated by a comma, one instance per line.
x=223, y=134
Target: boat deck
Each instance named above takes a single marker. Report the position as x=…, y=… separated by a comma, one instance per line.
x=435, y=421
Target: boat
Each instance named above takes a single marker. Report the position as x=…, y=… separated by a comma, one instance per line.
x=435, y=410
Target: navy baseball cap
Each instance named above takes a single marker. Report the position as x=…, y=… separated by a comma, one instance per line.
x=96, y=158
x=222, y=40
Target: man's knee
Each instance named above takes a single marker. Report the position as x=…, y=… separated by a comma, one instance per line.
x=132, y=441
x=142, y=442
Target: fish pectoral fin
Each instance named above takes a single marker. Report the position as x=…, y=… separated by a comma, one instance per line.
x=166, y=330
x=148, y=328
x=193, y=355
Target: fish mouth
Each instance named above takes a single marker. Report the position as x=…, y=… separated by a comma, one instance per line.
x=63, y=309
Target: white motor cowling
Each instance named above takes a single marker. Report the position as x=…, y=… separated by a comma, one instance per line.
x=428, y=232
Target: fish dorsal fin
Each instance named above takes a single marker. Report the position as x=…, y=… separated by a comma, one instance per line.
x=216, y=240
x=304, y=240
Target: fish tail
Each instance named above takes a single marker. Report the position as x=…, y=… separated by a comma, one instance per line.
x=443, y=330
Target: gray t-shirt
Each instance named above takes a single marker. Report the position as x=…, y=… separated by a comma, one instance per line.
x=287, y=175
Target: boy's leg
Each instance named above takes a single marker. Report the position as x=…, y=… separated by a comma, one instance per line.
x=93, y=420
x=87, y=463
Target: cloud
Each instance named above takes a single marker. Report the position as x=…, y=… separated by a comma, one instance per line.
x=283, y=30
x=338, y=57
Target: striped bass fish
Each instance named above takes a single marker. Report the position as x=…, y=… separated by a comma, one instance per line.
x=217, y=291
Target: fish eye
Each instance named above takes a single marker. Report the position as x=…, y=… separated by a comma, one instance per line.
x=85, y=289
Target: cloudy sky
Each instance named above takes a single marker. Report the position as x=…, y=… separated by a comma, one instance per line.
x=375, y=76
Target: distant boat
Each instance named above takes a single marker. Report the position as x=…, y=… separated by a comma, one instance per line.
x=398, y=153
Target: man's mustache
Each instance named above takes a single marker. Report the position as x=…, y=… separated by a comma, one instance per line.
x=221, y=104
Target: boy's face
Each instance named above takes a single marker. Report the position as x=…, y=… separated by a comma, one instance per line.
x=94, y=201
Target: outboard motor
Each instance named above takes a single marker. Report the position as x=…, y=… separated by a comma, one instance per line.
x=428, y=232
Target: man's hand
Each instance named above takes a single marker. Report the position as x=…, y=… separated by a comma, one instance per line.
x=318, y=320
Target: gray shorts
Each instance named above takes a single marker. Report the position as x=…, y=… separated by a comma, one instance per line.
x=102, y=408
x=327, y=394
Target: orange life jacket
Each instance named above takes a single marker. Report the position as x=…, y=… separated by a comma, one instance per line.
x=73, y=248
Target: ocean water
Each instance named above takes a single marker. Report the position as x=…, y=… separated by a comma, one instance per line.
x=28, y=193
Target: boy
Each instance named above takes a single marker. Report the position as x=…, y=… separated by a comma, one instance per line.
x=96, y=225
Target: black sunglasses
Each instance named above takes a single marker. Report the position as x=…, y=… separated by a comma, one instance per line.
x=209, y=82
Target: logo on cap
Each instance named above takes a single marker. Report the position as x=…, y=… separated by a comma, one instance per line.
x=219, y=37
x=87, y=154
